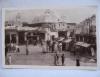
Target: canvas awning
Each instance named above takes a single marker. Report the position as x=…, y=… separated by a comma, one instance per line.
x=67, y=41
x=10, y=27
x=83, y=44
x=61, y=39
x=26, y=28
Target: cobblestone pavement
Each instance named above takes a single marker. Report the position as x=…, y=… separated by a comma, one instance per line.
x=37, y=57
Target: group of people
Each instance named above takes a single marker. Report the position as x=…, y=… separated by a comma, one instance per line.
x=9, y=50
x=54, y=47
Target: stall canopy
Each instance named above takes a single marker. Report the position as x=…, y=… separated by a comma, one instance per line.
x=10, y=28
x=67, y=41
x=26, y=29
x=83, y=44
x=21, y=28
x=61, y=39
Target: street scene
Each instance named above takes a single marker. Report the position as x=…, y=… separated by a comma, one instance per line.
x=51, y=37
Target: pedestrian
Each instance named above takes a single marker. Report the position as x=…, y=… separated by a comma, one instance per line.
x=6, y=49
x=11, y=47
x=38, y=38
x=77, y=55
x=56, y=56
x=63, y=59
x=9, y=59
x=17, y=49
x=53, y=46
x=48, y=45
x=77, y=62
x=41, y=41
x=56, y=47
x=27, y=52
x=55, y=59
x=92, y=52
x=60, y=47
x=44, y=47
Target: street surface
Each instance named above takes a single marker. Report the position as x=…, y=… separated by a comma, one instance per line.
x=37, y=57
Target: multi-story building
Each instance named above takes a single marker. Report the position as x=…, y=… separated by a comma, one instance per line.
x=44, y=27
x=86, y=30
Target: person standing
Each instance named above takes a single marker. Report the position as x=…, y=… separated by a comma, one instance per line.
x=56, y=53
x=56, y=47
x=6, y=53
x=77, y=55
x=9, y=59
x=17, y=50
x=53, y=47
x=63, y=59
x=92, y=52
x=48, y=45
x=44, y=47
x=27, y=52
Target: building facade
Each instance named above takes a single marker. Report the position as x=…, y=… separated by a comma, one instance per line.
x=44, y=27
x=86, y=30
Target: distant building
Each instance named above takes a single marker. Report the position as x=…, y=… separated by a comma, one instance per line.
x=87, y=26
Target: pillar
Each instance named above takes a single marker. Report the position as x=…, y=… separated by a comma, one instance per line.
x=26, y=43
x=17, y=39
x=17, y=43
x=25, y=36
x=10, y=37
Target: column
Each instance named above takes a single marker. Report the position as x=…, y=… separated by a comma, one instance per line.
x=17, y=43
x=17, y=39
x=10, y=38
x=25, y=36
x=26, y=43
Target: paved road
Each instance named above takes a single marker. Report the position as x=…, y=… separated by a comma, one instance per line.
x=36, y=57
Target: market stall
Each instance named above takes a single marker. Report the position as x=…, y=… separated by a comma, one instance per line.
x=66, y=44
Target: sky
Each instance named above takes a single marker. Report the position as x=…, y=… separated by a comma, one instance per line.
x=68, y=14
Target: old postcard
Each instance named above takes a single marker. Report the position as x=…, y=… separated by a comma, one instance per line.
x=50, y=38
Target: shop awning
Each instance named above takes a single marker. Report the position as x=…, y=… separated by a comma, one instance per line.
x=10, y=27
x=26, y=29
x=67, y=41
x=61, y=39
x=83, y=44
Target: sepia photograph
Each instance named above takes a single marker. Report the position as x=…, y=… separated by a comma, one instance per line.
x=51, y=37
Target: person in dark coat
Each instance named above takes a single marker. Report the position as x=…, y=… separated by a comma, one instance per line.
x=63, y=59
x=56, y=59
x=27, y=52
x=77, y=62
x=77, y=55
x=48, y=45
x=6, y=50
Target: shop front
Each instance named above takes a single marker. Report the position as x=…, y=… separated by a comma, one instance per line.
x=35, y=37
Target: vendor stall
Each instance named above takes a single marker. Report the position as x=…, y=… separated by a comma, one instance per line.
x=66, y=44
x=86, y=49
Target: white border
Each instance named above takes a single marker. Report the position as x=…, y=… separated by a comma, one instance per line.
x=41, y=67
x=97, y=38
x=3, y=37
